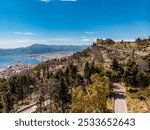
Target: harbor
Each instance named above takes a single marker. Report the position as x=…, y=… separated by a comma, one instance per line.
x=12, y=65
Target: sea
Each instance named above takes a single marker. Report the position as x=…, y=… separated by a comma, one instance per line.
x=9, y=60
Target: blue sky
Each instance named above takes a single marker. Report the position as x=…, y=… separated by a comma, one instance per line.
x=24, y=22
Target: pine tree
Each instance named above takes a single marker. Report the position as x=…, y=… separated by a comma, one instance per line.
x=41, y=99
x=142, y=79
x=51, y=86
x=131, y=73
x=63, y=96
x=1, y=106
x=87, y=71
x=93, y=98
x=115, y=64
x=73, y=71
x=8, y=102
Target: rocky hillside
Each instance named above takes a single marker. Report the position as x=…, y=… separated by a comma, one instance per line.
x=83, y=81
x=105, y=51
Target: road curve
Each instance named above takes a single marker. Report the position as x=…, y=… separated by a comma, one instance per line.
x=32, y=108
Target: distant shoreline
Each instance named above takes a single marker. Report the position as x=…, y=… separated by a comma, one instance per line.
x=15, y=67
x=39, y=57
x=48, y=56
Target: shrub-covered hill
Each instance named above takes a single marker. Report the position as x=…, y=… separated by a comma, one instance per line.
x=81, y=82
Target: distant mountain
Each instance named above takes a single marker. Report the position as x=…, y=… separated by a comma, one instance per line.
x=40, y=49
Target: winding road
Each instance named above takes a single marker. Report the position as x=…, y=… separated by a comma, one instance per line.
x=119, y=106
x=32, y=108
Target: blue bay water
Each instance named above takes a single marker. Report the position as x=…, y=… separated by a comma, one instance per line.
x=8, y=60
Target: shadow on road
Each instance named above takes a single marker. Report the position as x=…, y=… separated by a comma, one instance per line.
x=117, y=96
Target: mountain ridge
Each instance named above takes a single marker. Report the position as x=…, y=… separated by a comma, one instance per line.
x=42, y=48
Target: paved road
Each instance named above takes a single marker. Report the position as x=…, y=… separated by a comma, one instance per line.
x=32, y=108
x=120, y=100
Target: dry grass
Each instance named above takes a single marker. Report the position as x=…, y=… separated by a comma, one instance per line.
x=110, y=105
x=134, y=104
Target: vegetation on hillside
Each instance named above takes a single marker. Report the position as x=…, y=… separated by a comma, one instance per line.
x=82, y=82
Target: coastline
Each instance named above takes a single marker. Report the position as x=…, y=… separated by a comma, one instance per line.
x=16, y=67
x=48, y=56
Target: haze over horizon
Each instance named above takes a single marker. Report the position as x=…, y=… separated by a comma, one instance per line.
x=75, y=22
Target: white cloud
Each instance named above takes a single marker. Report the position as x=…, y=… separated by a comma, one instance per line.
x=68, y=0
x=13, y=43
x=85, y=40
x=46, y=1
x=23, y=33
x=91, y=33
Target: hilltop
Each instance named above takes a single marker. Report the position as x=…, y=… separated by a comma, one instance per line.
x=83, y=82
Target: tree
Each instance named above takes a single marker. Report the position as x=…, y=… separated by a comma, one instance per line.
x=138, y=40
x=8, y=102
x=59, y=73
x=115, y=64
x=85, y=53
x=67, y=76
x=118, y=70
x=12, y=84
x=63, y=97
x=79, y=80
x=22, y=84
x=1, y=106
x=51, y=86
x=73, y=71
x=67, y=72
x=131, y=73
x=142, y=79
x=94, y=98
x=41, y=100
x=80, y=101
x=99, y=91
x=147, y=59
x=92, y=68
x=87, y=70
